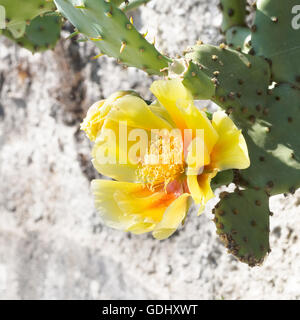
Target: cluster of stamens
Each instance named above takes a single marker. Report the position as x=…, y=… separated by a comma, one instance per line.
x=163, y=163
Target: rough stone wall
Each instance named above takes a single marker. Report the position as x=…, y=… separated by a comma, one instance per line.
x=52, y=243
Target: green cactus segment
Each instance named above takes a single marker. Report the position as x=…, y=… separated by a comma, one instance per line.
x=242, y=221
x=18, y=13
x=198, y=82
x=234, y=13
x=241, y=80
x=41, y=34
x=222, y=178
x=133, y=4
x=242, y=89
x=239, y=38
x=275, y=38
x=112, y=32
x=274, y=145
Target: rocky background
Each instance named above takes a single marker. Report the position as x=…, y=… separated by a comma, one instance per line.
x=52, y=242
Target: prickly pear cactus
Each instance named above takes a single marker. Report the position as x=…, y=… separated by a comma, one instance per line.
x=258, y=85
x=254, y=77
x=242, y=221
x=234, y=13
x=42, y=33
x=274, y=37
x=113, y=33
x=19, y=13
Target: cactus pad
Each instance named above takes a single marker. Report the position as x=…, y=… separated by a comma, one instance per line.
x=17, y=18
x=241, y=80
x=274, y=144
x=222, y=178
x=113, y=33
x=239, y=38
x=41, y=34
x=234, y=13
x=242, y=221
x=275, y=38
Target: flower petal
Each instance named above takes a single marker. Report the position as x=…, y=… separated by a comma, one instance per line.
x=197, y=156
x=93, y=120
x=197, y=119
x=168, y=92
x=123, y=168
x=96, y=114
x=157, y=108
x=108, y=208
x=204, y=181
x=120, y=172
x=130, y=206
x=199, y=187
x=172, y=218
x=194, y=188
x=149, y=207
x=230, y=152
x=141, y=227
x=137, y=113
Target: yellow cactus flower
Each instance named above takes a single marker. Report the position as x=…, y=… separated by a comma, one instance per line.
x=154, y=196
